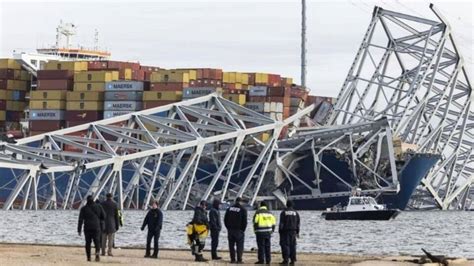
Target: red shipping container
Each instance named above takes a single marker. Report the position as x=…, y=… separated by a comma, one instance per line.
x=205, y=83
x=7, y=73
x=3, y=105
x=153, y=104
x=138, y=75
x=274, y=80
x=251, y=78
x=279, y=91
x=55, y=84
x=169, y=86
x=112, y=65
x=88, y=116
x=76, y=123
x=46, y=125
x=146, y=75
x=286, y=112
x=232, y=91
x=285, y=100
x=55, y=74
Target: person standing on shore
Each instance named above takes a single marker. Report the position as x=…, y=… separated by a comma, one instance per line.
x=91, y=216
x=111, y=224
x=289, y=230
x=264, y=225
x=215, y=226
x=154, y=221
x=200, y=225
x=235, y=220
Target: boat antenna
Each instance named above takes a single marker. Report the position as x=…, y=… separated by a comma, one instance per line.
x=303, y=44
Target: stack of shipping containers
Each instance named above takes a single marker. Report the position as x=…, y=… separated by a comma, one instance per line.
x=85, y=104
x=14, y=83
x=73, y=93
x=122, y=97
x=48, y=102
x=166, y=86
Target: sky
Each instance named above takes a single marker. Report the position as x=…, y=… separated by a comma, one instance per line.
x=250, y=36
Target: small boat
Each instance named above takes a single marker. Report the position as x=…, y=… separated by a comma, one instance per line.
x=361, y=208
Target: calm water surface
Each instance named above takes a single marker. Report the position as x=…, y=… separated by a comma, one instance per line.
x=450, y=233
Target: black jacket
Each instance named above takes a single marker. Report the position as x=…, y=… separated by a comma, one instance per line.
x=235, y=218
x=215, y=220
x=154, y=220
x=111, y=216
x=200, y=216
x=289, y=221
x=91, y=216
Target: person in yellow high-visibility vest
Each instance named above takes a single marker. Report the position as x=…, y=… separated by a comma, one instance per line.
x=264, y=225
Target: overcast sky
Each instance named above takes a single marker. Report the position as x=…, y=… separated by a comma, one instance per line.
x=253, y=36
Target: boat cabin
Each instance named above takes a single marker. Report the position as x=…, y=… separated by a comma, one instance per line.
x=363, y=204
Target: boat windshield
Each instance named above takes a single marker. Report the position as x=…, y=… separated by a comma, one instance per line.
x=372, y=201
x=356, y=201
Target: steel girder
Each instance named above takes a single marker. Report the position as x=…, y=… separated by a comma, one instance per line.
x=177, y=154
x=409, y=70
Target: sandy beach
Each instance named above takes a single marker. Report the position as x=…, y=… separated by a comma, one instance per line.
x=15, y=254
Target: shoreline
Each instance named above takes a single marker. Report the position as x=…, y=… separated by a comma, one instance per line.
x=47, y=254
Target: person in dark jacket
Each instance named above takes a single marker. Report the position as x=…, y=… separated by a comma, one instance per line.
x=111, y=224
x=264, y=225
x=91, y=216
x=102, y=223
x=154, y=221
x=289, y=230
x=235, y=220
x=200, y=220
x=215, y=226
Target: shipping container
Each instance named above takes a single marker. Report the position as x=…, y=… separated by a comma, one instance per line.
x=261, y=79
x=279, y=91
x=66, y=65
x=47, y=105
x=236, y=98
x=14, y=116
x=322, y=112
x=87, y=116
x=86, y=106
x=46, y=115
x=46, y=125
x=285, y=100
x=4, y=94
x=124, y=86
x=55, y=74
x=73, y=124
x=48, y=95
x=96, y=76
x=123, y=95
x=18, y=85
x=85, y=96
x=150, y=68
x=162, y=95
x=24, y=75
x=169, y=76
x=38, y=132
x=170, y=86
x=55, y=84
x=234, y=86
x=255, y=106
x=153, y=104
x=114, y=65
x=3, y=115
x=13, y=95
x=205, y=83
x=257, y=91
x=198, y=92
x=89, y=86
x=15, y=106
x=123, y=105
x=295, y=102
x=110, y=114
x=9, y=63
x=7, y=73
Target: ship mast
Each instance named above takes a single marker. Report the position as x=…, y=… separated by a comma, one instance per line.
x=303, y=44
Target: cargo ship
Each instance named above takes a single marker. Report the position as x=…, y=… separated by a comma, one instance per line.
x=75, y=86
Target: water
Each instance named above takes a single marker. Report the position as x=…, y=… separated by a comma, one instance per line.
x=449, y=233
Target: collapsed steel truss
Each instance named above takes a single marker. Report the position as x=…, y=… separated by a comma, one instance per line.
x=177, y=154
x=367, y=147
x=409, y=70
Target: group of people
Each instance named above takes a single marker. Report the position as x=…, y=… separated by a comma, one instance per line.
x=102, y=220
x=235, y=220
